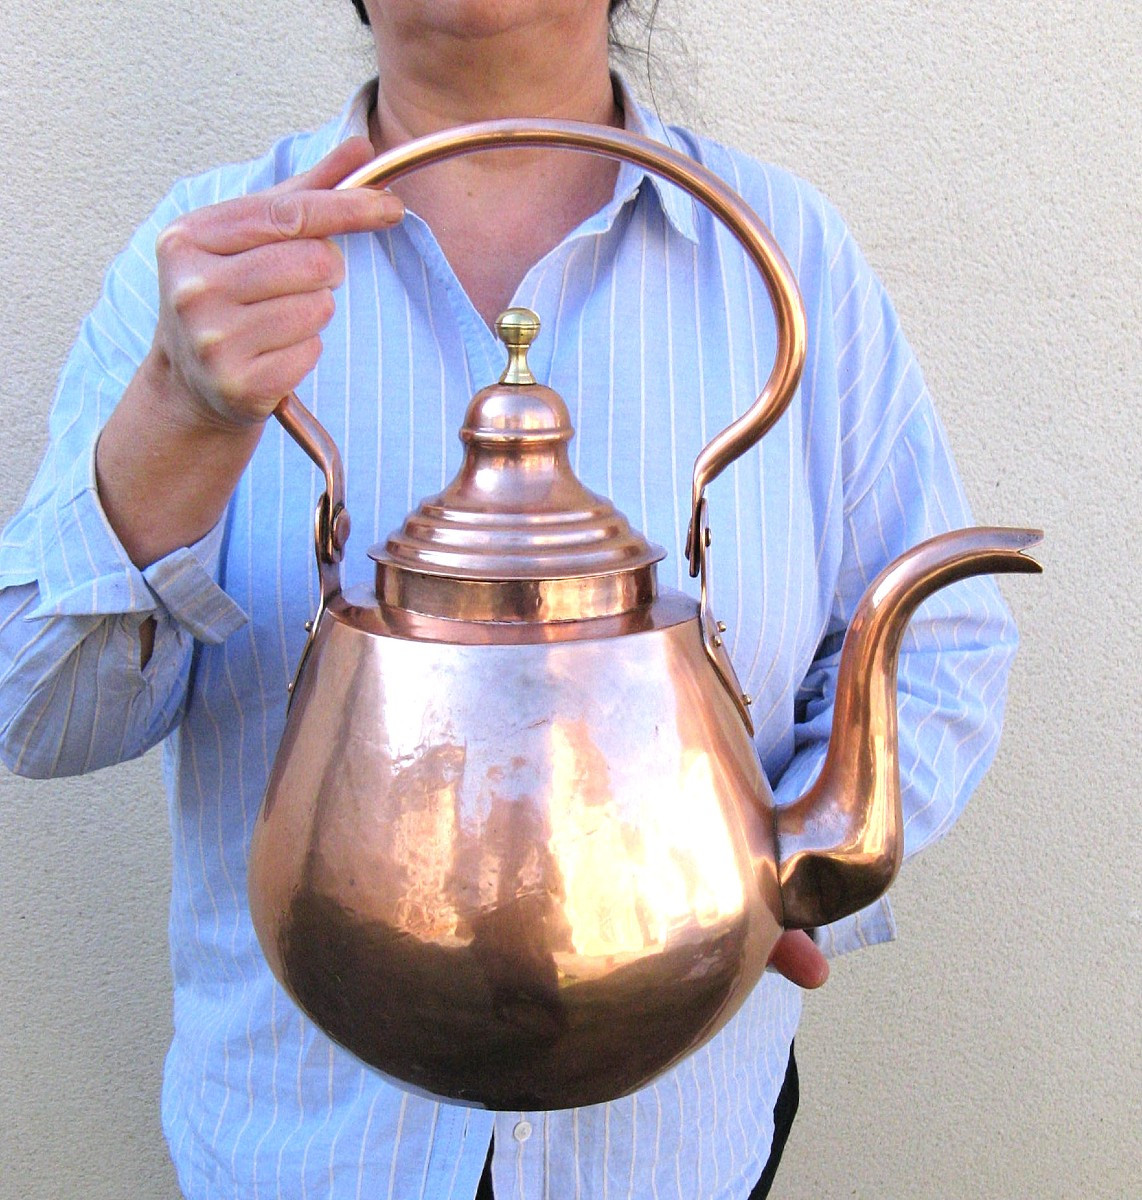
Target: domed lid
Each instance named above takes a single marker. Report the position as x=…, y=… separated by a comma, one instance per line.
x=515, y=521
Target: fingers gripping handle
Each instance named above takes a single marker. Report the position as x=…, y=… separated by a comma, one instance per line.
x=695, y=179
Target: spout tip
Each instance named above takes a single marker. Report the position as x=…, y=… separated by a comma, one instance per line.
x=1011, y=545
x=977, y=550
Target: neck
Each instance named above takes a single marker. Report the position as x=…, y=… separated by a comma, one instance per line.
x=434, y=79
x=496, y=214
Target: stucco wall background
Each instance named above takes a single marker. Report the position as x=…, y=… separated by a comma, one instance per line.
x=987, y=156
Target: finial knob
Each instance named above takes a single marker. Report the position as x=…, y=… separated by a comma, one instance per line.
x=517, y=328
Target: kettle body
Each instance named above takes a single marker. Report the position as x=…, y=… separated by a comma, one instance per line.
x=518, y=875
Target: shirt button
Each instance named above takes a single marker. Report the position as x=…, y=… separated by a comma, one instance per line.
x=522, y=1131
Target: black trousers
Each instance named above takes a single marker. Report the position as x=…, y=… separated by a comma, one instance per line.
x=784, y=1110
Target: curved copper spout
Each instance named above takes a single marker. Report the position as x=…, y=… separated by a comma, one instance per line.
x=841, y=844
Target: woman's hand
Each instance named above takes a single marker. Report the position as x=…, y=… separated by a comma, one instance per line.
x=797, y=958
x=246, y=286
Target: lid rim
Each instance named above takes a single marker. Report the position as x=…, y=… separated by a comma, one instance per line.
x=515, y=600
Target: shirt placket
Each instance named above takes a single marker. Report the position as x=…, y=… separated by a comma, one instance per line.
x=521, y=1147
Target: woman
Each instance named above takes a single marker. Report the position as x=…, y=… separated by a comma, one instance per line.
x=156, y=583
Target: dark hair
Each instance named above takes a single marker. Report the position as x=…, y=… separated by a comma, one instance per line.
x=359, y=5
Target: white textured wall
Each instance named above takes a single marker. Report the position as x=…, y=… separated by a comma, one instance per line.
x=987, y=156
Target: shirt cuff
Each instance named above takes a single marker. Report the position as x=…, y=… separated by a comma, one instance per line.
x=82, y=568
x=869, y=927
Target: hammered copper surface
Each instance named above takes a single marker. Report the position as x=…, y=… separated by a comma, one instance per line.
x=518, y=876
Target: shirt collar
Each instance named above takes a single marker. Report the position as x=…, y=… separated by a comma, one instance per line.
x=353, y=120
x=677, y=206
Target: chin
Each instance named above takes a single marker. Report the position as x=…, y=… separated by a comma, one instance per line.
x=482, y=18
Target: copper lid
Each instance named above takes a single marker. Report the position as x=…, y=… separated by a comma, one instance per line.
x=515, y=536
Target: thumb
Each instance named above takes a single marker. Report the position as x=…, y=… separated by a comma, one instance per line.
x=341, y=161
x=797, y=958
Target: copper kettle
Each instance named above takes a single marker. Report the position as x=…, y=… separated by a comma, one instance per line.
x=517, y=849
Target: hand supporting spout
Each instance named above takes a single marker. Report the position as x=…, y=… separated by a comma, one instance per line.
x=841, y=844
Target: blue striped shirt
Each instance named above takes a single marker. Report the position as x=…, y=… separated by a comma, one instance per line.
x=658, y=333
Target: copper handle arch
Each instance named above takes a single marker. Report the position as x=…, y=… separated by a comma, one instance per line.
x=702, y=184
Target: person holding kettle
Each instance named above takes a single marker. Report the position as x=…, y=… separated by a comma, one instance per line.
x=153, y=588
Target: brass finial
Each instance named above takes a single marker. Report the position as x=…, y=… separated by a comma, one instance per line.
x=517, y=328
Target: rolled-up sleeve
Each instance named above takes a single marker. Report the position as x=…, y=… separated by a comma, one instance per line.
x=74, y=693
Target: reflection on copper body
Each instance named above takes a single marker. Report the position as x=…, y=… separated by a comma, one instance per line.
x=517, y=849
x=515, y=875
